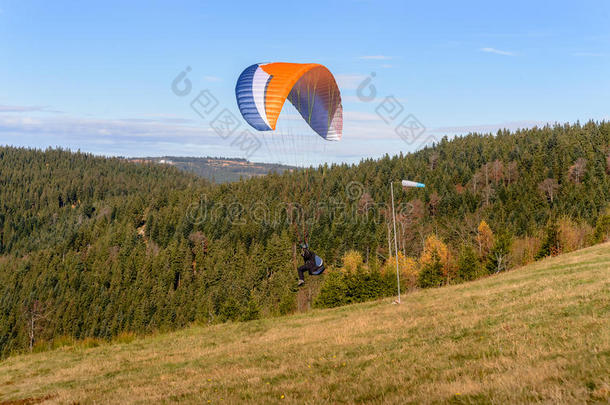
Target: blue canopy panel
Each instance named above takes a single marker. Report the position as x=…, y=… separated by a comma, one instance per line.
x=250, y=92
x=311, y=107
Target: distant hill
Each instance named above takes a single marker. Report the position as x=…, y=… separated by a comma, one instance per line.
x=218, y=170
x=538, y=334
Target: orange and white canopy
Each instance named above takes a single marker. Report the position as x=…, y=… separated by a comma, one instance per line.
x=263, y=88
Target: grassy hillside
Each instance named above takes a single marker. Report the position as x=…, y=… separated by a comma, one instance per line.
x=536, y=334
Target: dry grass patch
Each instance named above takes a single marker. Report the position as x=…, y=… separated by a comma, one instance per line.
x=537, y=334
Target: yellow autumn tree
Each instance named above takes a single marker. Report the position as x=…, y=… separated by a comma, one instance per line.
x=352, y=260
x=407, y=267
x=485, y=238
x=432, y=246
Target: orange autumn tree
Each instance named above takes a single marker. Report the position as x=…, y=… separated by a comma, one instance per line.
x=485, y=238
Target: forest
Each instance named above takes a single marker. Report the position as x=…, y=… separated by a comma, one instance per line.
x=93, y=247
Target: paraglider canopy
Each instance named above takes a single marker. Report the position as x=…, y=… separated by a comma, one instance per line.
x=262, y=90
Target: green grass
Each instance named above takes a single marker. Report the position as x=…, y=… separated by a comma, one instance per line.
x=536, y=334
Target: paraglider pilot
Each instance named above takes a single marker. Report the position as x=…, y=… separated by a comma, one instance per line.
x=310, y=263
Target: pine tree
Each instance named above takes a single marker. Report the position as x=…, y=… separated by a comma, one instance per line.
x=468, y=264
x=497, y=260
x=550, y=245
x=431, y=274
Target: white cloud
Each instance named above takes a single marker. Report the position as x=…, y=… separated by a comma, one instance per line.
x=375, y=57
x=350, y=98
x=488, y=128
x=364, y=135
x=163, y=117
x=387, y=66
x=349, y=81
x=163, y=135
x=21, y=108
x=497, y=51
x=360, y=116
x=369, y=126
x=588, y=54
x=118, y=130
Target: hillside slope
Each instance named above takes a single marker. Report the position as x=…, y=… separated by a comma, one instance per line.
x=536, y=334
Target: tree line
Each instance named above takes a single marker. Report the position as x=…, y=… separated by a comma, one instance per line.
x=93, y=247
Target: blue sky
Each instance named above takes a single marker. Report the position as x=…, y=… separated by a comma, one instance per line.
x=97, y=76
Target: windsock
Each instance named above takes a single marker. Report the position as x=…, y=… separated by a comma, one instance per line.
x=409, y=183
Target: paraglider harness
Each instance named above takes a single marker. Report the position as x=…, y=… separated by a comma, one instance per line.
x=314, y=264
